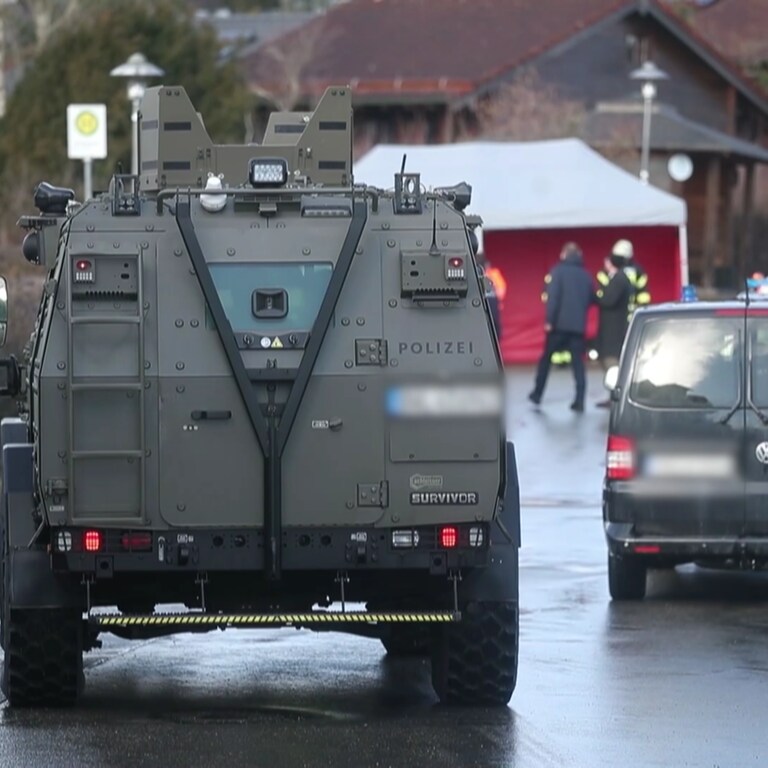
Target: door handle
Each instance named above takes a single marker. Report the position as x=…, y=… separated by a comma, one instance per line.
x=211, y=415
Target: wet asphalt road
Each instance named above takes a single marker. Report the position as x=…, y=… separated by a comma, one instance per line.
x=678, y=680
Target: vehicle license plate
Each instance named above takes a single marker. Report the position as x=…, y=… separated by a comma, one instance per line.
x=690, y=465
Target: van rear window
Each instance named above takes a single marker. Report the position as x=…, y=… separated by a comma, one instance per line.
x=686, y=362
x=758, y=340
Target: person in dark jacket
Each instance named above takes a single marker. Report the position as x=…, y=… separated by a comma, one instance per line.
x=569, y=295
x=613, y=299
x=638, y=277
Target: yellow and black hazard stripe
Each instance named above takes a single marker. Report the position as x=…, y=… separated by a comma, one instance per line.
x=108, y=621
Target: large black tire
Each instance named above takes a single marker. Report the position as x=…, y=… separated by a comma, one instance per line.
x=475, y=660
x=626, y=577
x=43, y=662
x=406, y=640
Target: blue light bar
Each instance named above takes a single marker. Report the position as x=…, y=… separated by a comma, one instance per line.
x=689, y=293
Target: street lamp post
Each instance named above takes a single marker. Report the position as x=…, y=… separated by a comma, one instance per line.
x=137, y=70
x=648, y=74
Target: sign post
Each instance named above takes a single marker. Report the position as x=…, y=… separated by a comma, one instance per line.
x=87, y=138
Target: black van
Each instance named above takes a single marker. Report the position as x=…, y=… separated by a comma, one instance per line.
x=687, y=461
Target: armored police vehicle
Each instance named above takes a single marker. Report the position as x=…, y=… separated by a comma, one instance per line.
x=263, y=393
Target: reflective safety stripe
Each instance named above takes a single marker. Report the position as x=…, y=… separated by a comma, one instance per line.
x=106, y=621
x=643, y=298
x=642, y=281
x=603, y=278
x=547, y=281
x=631, y=273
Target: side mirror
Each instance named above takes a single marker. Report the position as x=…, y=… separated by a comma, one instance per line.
x=611, y=378
x=3, y=310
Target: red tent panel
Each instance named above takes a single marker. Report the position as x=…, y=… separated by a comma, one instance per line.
x=525, y=256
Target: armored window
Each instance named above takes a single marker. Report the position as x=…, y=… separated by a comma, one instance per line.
x=271, y=298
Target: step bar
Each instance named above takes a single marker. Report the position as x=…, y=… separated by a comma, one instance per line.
x=108, y=621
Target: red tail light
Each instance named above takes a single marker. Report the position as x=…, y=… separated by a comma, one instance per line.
x=647, y=549
x=92, y=541
x=449, y=537
x=620, y=459
x=136, y=541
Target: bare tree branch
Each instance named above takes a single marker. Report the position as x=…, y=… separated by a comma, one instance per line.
x=527, y=108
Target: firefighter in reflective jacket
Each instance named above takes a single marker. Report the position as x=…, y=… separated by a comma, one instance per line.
x=560, y=357
x=496, y=300
x=638, y=278
x=499, y=283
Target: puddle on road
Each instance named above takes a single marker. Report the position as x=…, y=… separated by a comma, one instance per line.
x=242, y=716
x=584, y=502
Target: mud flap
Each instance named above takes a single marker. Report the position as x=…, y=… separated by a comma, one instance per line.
x=34, y=585
x=499, y=581
x=27, y=571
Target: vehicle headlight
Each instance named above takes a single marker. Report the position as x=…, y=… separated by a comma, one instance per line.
x=268, y=172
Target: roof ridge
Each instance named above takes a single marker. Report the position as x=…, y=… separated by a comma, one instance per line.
x=583, y=25
x=736, y=72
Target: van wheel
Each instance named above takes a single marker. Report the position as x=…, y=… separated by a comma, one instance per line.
x=475, y=660
x=399, y=640
x=626, y=578
x=3, y=561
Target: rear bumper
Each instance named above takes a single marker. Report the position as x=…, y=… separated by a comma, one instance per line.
x=304, y=549
x=679, y=524
x=622, y=540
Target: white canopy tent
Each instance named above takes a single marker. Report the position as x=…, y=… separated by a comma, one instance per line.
x=530, y=185
x=533, y=197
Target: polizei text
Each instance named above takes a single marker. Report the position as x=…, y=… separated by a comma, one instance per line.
x=436, y=347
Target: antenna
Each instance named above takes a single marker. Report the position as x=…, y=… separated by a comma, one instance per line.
x=433, y=249
x=402, y=167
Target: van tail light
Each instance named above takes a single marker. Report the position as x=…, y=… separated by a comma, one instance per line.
x=620, y=460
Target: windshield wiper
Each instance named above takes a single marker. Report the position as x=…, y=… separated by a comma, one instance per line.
x=757, y=411
x=728, y=416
